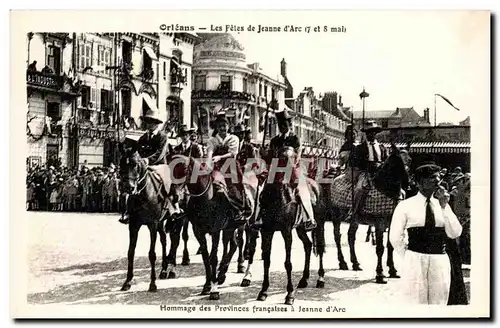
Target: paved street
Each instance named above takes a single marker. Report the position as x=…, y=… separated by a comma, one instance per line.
x=81, y=259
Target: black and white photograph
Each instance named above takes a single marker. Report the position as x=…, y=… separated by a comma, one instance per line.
x=239, y=164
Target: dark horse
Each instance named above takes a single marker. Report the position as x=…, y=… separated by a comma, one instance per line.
x=278, y=211
x=147, y=205
x=377, y=209
x=210, y=213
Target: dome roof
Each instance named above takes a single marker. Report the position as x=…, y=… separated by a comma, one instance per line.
x=219, y=46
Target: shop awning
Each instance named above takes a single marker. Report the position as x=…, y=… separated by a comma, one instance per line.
x=150, y=53
x=435, y=147
x=150, y=102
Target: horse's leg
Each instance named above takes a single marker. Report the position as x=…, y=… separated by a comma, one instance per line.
x=226, y=259
x=307, y=250
x=252, y=245
x=372, y=236
x=338, y=242
x=266, y=243
x=185, y=237
x=368, y=233
x=214, y=293
x=175, y=239
x=393, y=273
x=379, y=236
x=202, y=240
x=153, y=230
x=287, y=236
x=164, y=261
x=351, y=238
x=133, y=230
x=240, y=240
x=246, y=251
x=320, y=249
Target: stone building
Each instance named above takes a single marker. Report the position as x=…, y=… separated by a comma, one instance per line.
x=114, y=78
x=224, y=81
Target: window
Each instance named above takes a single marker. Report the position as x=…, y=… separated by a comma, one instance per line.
x=265, y=92
x=260, y=90
x=225, y=82
x=385, y=123
x=106, y=100
x=147, y=62
x=53, y=111
x=127, y=52
x=85, y=96
x=54, y=59
x=103, y=57
x=164, y=70
x=126, y=102
x=245, y=84
x=200, y=82
x=85, y=55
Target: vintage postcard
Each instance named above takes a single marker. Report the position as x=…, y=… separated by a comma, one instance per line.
x=250, y=164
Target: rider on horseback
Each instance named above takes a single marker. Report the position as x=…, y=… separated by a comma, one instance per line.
x=367, y=157
x=153, y=148
x=286, y=139
x=221, y=147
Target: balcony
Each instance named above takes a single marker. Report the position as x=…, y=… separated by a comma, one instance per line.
x=147, y=74
x=177, y=77
x=44, y=80
x=222, y=94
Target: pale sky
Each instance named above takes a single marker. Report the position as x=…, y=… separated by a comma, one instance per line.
x=401, y=58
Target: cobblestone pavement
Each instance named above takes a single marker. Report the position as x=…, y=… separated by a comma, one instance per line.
x=79, y=258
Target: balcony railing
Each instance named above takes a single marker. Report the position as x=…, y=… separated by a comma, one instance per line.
x=222, y=94
x=44, y=80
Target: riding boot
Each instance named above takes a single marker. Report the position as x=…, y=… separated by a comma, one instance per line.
x=307, y=218
x=358, y=200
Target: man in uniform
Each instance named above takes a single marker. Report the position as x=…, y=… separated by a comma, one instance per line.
x=367, y=158
x=223, y=146
x=153, y=148
x=287, y=139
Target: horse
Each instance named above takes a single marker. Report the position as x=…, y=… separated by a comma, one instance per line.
x=147, y=205
x=209, y=212
x=376, y=211
x=278, y=212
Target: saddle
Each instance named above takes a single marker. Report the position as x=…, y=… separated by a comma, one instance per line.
x=241, y=194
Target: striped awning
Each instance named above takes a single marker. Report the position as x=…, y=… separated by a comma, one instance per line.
x=435, y=147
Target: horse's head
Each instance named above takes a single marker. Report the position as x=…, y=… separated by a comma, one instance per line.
x=393, y=174
x=132, y=169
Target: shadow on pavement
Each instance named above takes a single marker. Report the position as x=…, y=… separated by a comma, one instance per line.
x=105, y=282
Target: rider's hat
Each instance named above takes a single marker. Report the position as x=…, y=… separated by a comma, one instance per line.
x=426, y=169
x=283, y=116
x=371, y=126
x=152, y=116
x=183, y=130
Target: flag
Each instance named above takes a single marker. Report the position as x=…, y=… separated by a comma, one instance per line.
x=447, y=100
x=364, y=94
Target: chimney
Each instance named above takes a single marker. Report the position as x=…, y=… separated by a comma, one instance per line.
x=283, y=67
x=340, y=101
x=426, y=115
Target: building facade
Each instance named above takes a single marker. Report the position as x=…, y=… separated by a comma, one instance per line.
x=114, y=79
x=401, y=117
x=223, y=81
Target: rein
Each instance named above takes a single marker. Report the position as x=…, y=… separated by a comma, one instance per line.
x=210, y=182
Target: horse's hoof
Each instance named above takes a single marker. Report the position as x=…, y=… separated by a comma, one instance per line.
x=302, y=283
x=262, y=296
x=320, y=284
x=214, y=296
x=241, y=269
x=343, y=266
x=245, y=283
x=171, y=275
x=394, y=275
x=163, y=275
x=356, y=267
x=126, y=286
x=380, y=280
x=289, y=300
x=206, y=290
x=152, y=288
x=186, y=261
